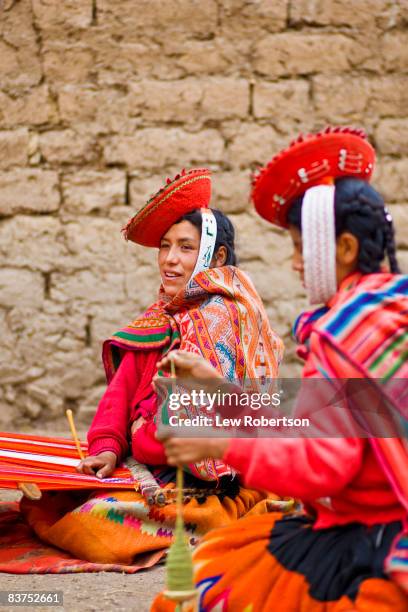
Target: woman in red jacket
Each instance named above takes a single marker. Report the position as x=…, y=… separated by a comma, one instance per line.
x=206, y=306
x=331, y=557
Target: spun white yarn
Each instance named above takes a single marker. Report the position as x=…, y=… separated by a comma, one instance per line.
x=319, y=243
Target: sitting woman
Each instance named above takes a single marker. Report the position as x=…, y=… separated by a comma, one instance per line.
x=335, y=556
x=206, y=306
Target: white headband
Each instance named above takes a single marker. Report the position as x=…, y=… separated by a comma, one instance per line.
x=207, y=244
x=319, y=243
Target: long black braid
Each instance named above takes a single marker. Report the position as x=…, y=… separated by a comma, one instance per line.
x=390, y=243
x=360, y=210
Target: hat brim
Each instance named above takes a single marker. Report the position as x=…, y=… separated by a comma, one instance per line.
x=183, y=195
x=310, y=161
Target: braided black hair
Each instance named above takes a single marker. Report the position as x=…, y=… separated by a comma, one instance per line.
x=225, y=232
x=359, y=209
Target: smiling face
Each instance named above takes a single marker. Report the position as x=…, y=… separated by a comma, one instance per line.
x=177, y=257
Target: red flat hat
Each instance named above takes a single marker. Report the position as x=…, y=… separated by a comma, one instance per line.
x=188, y=191
x=311, y=160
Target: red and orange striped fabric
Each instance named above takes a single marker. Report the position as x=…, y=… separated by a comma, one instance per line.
x=50, y=464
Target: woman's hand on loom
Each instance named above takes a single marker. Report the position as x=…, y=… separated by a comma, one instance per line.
x=182, y=451
x=101, y=466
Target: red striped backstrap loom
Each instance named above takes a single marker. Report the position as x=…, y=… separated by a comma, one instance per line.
x=50, y=464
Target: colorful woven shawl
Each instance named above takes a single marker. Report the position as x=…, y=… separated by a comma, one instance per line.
x=364, y=334
x=221, y=317
x=368, y=319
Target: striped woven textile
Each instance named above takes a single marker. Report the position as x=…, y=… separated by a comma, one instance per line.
x=366, y=337
x=364, y=334
x=50, y=464
x=372, y=326
x=368, y=318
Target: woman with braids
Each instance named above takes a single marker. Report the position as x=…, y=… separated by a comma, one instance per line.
x=206, y=306
x=334, y=556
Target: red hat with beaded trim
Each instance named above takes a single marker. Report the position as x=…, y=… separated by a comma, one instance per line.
x=186, y=192
x=311, y=160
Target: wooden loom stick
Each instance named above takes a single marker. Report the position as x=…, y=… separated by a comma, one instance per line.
x=30, y=490
x=70, y=418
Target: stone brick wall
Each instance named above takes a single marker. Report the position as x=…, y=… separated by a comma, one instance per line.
x=100, y=100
